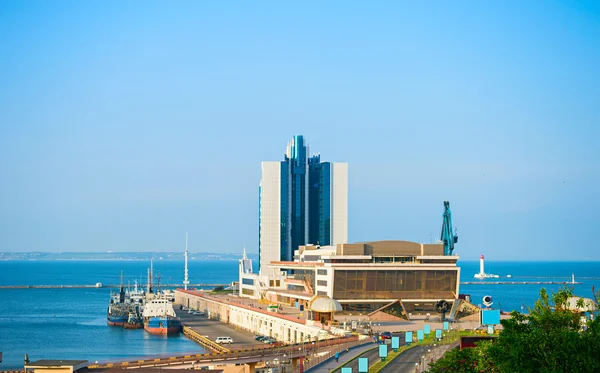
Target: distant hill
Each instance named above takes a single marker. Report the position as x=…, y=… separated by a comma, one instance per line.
x=112, y=255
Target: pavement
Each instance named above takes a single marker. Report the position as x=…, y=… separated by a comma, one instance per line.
x=213, y=328
x=408, y=362
x=331, y=364
x=413, y=360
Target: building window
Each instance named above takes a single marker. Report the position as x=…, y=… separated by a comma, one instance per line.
x=322, y=293
x=395, y=284
x=248, y=281
x=321, y=283
x=248, y=292
x=322, y=272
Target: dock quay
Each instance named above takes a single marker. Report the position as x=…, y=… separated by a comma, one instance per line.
x=205, y=331
x=95, y=286
x=247, y=356
x=520, y=283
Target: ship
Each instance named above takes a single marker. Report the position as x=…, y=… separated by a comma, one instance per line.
x=134, y=320
x=159, y=317
x=118, y=310
x=117, y=314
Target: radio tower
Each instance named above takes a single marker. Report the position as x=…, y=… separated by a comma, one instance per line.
x=185, y=272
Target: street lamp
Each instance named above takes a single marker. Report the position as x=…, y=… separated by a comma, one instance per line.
x=283, y=364
x=416, y=367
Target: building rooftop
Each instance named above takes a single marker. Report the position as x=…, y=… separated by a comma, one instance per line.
x=325, y=304
x=56, y=363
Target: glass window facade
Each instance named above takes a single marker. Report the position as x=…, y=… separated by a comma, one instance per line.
x=248, y=281
x=320, y=201
x=322, y=272
x=321, y=283
x=297, y=164
x=394, y=284
x=305, y=200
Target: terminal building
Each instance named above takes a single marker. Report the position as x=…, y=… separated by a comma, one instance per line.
x=304, y=252
x=362, y=277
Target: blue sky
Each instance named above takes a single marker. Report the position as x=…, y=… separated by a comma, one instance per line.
x=125, y=124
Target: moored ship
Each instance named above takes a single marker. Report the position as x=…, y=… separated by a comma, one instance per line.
x=117, y=314
x=118, y=311
x=160, y=318
x=134, y=320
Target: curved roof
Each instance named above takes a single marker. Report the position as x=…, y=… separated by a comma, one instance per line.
x=325, y=305
x=588, y=304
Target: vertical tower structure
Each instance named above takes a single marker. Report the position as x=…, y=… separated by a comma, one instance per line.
x=301, y=201
x=186, y=280
x=245, y=264
x=481, y=265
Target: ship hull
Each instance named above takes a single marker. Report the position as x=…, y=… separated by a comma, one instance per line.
x=162, y=325
x=133, y=325
x=116, y=320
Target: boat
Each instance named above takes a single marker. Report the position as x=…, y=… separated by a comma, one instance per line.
x=134, y=320
x=159, y=317
x=118, y=311
x=117, y=314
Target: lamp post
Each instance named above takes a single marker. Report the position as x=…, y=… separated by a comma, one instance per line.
x=416, y=367
x=283, y=364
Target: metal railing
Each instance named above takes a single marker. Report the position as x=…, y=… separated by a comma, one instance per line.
x=203, y=341
x=249, y=355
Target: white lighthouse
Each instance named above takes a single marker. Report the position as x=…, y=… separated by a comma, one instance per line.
x=482, y=273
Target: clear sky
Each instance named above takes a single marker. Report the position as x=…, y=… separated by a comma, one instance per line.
x=124, y=124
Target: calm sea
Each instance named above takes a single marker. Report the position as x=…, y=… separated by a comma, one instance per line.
x=71, y=323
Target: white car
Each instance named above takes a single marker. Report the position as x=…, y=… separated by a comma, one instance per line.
x=224, y=340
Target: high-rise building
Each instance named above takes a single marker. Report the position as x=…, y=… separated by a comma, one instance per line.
x=301, y=201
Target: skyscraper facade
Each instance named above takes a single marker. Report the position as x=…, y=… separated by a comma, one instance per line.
x=301, y=201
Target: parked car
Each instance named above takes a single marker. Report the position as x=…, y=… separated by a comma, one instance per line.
x=269, y=341
x=224, y=340
x=386, y=335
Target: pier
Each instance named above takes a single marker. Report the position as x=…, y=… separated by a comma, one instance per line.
x=247, y=356
x=104, y=286
x=520, y=283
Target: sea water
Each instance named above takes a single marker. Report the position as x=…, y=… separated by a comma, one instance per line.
x=71, y=323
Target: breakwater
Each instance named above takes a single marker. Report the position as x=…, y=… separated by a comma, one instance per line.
x=520, y=283
x=97, y=286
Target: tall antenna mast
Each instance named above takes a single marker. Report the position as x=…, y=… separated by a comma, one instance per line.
x=185, y=271
x=150, y=277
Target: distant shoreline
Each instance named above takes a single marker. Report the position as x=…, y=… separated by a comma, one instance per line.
x=109, y=259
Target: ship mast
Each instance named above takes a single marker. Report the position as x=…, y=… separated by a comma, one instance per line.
x=150, y=278
x=185, y=271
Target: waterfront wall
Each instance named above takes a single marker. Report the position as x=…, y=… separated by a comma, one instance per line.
x=283, y=328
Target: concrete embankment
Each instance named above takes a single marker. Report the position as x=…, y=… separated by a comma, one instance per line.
x=101, y=286
x=520, y=283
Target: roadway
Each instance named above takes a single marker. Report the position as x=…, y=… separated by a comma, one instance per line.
x=373, y=355
x=213, y=328
x=405, y=363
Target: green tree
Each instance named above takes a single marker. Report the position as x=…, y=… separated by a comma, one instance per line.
x=550, y=339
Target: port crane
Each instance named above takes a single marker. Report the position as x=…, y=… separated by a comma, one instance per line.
x=448, y=237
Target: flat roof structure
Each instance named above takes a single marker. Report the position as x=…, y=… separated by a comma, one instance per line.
x=56, y=366
x=362, y=277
